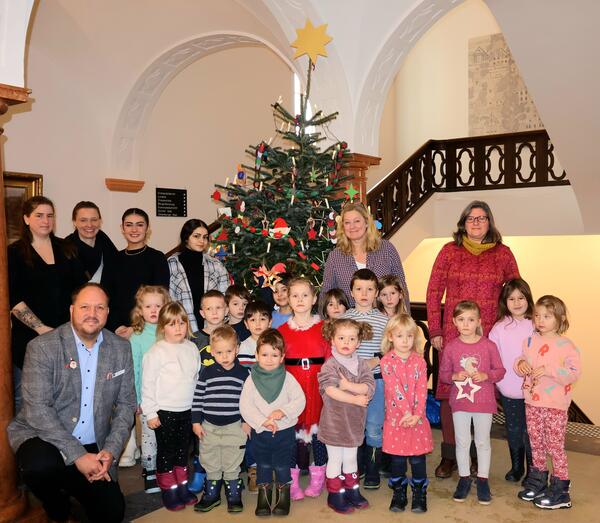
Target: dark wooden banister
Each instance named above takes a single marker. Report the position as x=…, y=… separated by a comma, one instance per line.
x=500, y=161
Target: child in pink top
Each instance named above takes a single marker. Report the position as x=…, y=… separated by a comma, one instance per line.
x=551, y=365
x=472, y=364
x=406, y=430
x=515, y=310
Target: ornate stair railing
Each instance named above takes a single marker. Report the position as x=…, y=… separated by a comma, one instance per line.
x=501, y=161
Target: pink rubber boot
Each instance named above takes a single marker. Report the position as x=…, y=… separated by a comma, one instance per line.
x=296, y=490
x=317, y=481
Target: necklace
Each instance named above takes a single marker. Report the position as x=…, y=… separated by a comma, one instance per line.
x=127, y=253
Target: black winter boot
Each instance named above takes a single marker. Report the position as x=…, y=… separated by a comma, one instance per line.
x=419, y=495
x=265, y=497
x=517, y=460
x=535, y=485
x=372, y=466
x=233, y=493
x=211, y=497
x=282, y=500
x=556, y=496
x=399, y=499
x=336, y=499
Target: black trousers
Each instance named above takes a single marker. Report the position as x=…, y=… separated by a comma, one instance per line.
x=44, y=471
x=172, y=439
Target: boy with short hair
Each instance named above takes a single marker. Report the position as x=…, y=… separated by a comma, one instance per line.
x=257, y=319
x=283, y=311
x=213, y=309
x=236, y=299
x=364, y=290
x=217, y=422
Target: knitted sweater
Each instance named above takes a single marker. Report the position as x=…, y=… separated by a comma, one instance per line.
x=255, y=410
x=140, y=344
x=508, y=335
x=217, y=394
x=169, y=375
x=464, y=276
x=481, y=356
x=562, y=368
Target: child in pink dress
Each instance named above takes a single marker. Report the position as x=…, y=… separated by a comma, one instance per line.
x=551, y=365
x=406, y=430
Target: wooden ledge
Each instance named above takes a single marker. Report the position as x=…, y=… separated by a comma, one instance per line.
x=12, y=94
x=121, y=185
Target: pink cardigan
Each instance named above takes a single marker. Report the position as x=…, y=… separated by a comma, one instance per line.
x=464, y=276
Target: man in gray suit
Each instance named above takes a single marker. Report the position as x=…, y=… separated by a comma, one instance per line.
x=77, y=412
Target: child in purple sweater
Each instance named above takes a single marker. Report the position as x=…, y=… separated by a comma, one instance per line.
x=472, y=364
x=513, y=326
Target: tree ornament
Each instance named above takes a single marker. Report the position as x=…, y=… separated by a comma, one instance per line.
x=280, y=229
x=311, y=41
x=351, y=192
x=216, y=196
x=240, y=177
x=260, y=151
x=312, y=234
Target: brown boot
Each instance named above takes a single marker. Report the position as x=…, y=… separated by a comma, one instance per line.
x=448, y=464
x=252, y=480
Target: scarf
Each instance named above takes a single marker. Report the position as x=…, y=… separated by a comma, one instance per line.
x=103, y=251
x=350, y=363
x=268, y=383
x=476, y=248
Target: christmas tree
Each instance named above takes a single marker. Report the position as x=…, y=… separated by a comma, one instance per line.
x=279, y=213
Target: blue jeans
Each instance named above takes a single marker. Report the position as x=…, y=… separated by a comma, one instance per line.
x=375, y=417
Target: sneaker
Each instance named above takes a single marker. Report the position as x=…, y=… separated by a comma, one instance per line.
x=462, y=489
x=484, y=496
x=150, y=484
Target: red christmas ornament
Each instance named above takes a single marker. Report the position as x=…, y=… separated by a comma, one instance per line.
x=264, y=232
x=252, y=229
x=223, y=236
x=338, y=166
x=314, y=266
x=312, y=234
x=216, y=196
x=292, y=242
x=236, y=220
x=302, y=255
x=344, y=145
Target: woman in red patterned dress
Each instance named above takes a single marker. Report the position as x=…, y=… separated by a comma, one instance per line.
x=472, y=267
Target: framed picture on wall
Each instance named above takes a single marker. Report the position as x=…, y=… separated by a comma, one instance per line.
x=18, y=187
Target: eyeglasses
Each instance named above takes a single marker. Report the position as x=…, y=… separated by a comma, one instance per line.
x=476, y=219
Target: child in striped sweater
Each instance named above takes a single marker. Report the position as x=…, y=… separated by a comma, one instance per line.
x=217, y=422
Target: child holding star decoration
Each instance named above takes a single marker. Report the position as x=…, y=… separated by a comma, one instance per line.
x=282, y=206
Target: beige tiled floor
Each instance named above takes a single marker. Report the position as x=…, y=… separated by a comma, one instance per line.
x=505, y=508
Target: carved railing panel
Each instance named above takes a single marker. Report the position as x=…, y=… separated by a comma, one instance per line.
x=504, y=161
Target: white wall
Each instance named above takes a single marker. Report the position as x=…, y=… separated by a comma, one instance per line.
x=84, y=58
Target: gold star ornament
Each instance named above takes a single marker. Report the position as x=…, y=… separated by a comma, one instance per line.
x=311, y=41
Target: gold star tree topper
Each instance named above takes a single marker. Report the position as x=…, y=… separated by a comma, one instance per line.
x=311, y=41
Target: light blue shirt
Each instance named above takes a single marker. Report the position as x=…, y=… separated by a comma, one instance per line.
x=88, y=363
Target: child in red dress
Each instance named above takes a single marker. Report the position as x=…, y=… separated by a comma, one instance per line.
x=306, y=351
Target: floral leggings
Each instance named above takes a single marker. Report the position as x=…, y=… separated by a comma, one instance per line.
x=546, y=428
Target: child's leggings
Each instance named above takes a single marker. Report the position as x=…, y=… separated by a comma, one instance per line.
x=482, y=423
x=340, y=459
x=399, y=467
x=172, y=439
x=546, y=428
x=319, y=453
x=148, y=445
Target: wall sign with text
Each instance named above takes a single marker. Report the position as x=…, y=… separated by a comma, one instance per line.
x=171, y=202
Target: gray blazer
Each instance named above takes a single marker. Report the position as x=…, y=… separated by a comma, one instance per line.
x=51, y=391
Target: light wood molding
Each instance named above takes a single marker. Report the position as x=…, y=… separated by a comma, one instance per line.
x=121, y=185
x=11, y=94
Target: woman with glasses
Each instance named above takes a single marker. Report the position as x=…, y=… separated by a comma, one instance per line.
x=360, y=246
x=473, y=266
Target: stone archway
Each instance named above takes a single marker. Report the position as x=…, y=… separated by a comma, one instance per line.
x=137, y=108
